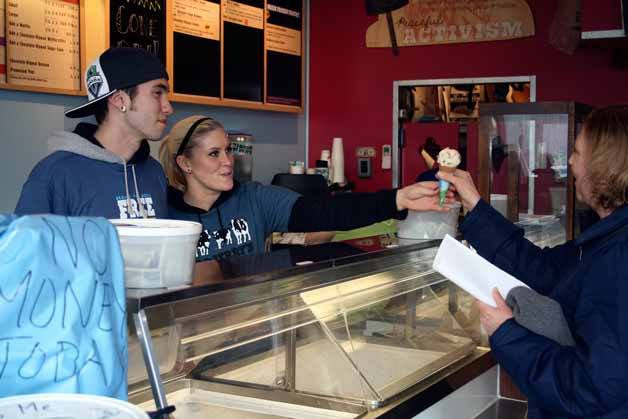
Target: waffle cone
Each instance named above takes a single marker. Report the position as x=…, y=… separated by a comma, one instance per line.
x=447, y=169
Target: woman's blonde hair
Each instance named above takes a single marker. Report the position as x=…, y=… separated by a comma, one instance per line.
x=171, y=143
x=605, y=132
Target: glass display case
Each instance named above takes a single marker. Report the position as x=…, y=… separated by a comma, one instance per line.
x=335, y=339
x=524, y=150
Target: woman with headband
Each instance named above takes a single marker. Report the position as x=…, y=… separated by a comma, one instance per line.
x=237, y=218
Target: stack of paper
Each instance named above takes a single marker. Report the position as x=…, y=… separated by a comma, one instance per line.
x=472, y=272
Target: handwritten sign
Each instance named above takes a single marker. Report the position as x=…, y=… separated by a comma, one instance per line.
x=43, y=43
x=62, y=304
x=138, y=24
x=428, y=22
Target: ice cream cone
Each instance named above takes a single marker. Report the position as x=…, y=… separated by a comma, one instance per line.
x=443, y=185
x=447, y=169
x=448, y=160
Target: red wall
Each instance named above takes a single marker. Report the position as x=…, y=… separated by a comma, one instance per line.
x=351, y=85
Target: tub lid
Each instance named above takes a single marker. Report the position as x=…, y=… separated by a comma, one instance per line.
x=153, y=227
x=79, y=406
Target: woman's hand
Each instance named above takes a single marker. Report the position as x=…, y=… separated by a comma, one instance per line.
x=469, y=194
x=421, y=196
x=493, y=317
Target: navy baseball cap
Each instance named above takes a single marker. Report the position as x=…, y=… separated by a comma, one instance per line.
x=115, y=69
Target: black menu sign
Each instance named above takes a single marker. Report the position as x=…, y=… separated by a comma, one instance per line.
x=243, y=49
x=196, y=47
x=139, y=24
x=284, y=20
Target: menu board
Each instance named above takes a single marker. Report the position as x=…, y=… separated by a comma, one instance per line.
x=243, y=43
x=138, y=24
x=43, y=43
x=196, y=17
x=3, y=67
x=196, y=27
x=284, y=21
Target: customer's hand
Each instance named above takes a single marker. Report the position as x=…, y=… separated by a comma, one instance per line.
x=421, y=196
x=493, y=317
x=469, y=194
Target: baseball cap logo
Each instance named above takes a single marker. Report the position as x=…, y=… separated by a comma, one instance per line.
x=94, y=80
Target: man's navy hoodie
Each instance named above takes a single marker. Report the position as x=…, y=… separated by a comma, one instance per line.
x=82, y=178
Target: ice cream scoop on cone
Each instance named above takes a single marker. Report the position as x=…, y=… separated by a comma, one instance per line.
x=448, y=161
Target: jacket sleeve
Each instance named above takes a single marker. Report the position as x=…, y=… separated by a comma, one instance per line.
x=502, y=243
x=586, y=380
x=344, y=211
x=36, y=198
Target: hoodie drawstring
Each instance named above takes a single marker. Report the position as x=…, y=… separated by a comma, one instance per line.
x=143, y=210
x=126, y=188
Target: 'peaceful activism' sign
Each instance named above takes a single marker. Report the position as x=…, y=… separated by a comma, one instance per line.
x=429, y=22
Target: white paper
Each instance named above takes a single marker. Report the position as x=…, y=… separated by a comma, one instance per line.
x=472, y=272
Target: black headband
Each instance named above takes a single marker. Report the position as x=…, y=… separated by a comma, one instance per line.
x=188, y=135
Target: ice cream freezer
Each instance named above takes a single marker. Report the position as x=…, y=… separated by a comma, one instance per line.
x=344, y=338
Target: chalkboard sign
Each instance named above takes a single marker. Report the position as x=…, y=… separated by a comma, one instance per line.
x=243, y=49
x=284, y=21
x=139, y=24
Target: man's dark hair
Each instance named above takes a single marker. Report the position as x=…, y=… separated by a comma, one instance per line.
x=102, y=108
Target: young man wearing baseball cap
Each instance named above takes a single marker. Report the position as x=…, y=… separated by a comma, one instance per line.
x=106, y=169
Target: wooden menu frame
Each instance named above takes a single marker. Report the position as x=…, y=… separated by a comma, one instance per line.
x=222, y=101
x=94, y=14
x=52, y=89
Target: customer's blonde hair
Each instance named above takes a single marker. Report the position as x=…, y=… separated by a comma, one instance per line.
x=605, y=132
x=172, y=142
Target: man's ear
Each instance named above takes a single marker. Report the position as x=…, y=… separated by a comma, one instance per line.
x=119, y=100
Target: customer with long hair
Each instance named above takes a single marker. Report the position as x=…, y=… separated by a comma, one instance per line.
x=587, y=276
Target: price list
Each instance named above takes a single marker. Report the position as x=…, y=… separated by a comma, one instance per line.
x=197, y=18
x=43, y=43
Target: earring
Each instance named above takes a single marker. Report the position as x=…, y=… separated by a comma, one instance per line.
x=122, y=108
x=189, y=170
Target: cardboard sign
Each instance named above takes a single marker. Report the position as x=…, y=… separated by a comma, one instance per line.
x=430, y=22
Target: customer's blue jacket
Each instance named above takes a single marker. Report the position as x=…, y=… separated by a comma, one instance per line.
x=589, y=278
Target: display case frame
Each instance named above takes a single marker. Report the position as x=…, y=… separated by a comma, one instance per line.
x=574, y=113
x=152, y=309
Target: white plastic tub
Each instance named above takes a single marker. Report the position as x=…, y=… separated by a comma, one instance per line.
x=429, y=224
x=68, y=406
x=157, y=253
